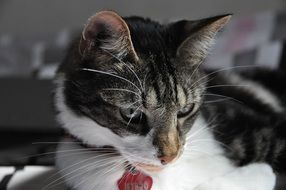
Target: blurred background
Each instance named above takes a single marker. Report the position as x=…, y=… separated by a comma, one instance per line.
x=34, y=35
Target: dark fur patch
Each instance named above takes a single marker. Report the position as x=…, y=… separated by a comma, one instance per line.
x=250, y=130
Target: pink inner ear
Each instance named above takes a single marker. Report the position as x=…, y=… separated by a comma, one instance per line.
x=104, y=20
x=113, y=21
x=112, y=24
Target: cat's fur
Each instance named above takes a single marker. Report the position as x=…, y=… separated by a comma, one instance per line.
x=233, y=137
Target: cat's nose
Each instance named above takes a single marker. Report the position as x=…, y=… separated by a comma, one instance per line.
x=167, y=159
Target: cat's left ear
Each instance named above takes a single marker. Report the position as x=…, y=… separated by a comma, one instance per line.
x=106, y=32
x=196, y=37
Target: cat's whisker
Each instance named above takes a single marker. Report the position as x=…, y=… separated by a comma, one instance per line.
x=224, y=69
x=215, y=101
x=133, y=114
x=120, y=60
x=195, y=132
x=55, y=142
x=226, y=85
x=136, y=158
x=201, y=132
x=112, y=167
x=202, y=129
x=219, y=95
x=123, y=90
x=123, y=176
x=200, y=85
x=132, y=155
x=114, y=75
x=104, y=149
x=118, y=163
x=202, y=140
x=82, y=161
x=96, y=163
x=54, y=152
x=72, y=177
x=199, y=151
x=79, y=153
x=144, y=82
x=210, y=141
x=196, y=69
x=54, y=183
x=138, y=101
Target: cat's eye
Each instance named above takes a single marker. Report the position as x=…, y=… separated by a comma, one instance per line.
x=132, y=115
x=183, y=112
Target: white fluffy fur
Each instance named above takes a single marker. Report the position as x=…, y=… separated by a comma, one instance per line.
x=202, y=166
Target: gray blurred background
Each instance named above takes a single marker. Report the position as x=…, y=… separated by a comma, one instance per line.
x=45, y=16
x=35, y=33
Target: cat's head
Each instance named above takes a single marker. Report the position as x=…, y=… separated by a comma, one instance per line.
x=135, y=85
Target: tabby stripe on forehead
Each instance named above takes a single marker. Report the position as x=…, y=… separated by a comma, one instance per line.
x=172, y=87
x=155, y=81
x=172, y=77
x=175, y=87
x=165, y=79
x=175, y=90
x=168, y=79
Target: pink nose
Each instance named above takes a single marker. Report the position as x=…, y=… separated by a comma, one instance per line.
x=167, y=159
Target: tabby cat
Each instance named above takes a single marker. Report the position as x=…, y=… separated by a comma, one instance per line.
x=140, y=112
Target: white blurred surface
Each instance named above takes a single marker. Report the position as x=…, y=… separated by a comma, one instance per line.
x=32, y=178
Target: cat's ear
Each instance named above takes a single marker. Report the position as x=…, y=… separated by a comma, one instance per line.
x=196, y=37
x=106, y=31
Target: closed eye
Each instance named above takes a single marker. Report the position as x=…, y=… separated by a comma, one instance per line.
x=132, y=115
x=185, y=111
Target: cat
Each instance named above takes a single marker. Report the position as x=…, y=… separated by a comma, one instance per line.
x=133, y=98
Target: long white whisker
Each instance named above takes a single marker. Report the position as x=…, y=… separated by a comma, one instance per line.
x=226, y=85
x=219, y=95
x=126, y=66
x=54, y=152
x=224, y=69
x=121, y=89
x=215, y=101
x=82, y=161
x=196, y=69
x=110, y=74
x=133, y=114
x=55, y=142
x=144, y=82
x=96, y=173
x=54, y=183
x=206, y=127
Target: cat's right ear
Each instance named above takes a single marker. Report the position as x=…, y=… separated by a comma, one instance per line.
x=106, y=32
x=194, y=38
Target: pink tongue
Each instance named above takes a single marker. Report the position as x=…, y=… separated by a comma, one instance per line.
x=137, y=181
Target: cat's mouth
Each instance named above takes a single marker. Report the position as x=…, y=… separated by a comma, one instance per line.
x=148, y=167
